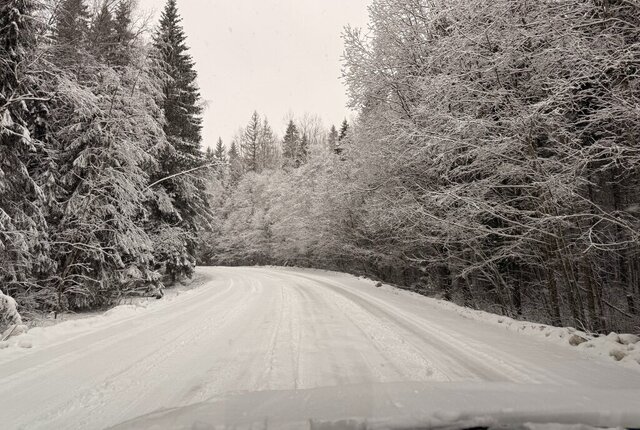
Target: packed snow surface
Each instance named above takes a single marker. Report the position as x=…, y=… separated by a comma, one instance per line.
x=286, y=346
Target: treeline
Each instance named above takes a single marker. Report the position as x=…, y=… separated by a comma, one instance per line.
x=93, y=118
x=495, y=161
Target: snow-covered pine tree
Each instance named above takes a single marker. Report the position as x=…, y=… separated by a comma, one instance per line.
x=220, y=153
x=303, y=150
x=103, y=38
x=208, y=154
x=250, y=145
x=184, y=206
x=71, y=26
x=124, y=34
x=233, y=151
x=290, y=144
x=268, y=154
x=108, y=127
x=235, y=164
x=344, y=130
x=24, y=154
x=332, y=140
x=101, y=247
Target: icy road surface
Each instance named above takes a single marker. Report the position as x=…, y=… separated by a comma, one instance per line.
x=258, y=329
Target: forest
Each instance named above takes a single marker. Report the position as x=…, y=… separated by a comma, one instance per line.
x=494, y=160
x=93, y=120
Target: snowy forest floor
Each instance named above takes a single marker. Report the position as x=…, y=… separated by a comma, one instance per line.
x=249, y=330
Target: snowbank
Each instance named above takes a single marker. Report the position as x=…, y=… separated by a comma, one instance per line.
x=623, y=348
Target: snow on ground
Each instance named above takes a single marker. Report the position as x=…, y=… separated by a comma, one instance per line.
x=624, y=348
x=250, y=338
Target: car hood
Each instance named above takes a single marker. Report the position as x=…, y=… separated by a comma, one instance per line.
x=406, y=405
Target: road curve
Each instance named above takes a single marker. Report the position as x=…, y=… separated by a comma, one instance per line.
x=258, y=329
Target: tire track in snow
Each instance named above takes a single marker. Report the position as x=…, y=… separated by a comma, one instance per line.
x=103, y=390
x=252, y=329
x=383, y=356
x=456, y=359
x=464, y=353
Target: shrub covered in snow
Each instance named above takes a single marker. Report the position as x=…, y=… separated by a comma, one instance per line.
x=9, y=316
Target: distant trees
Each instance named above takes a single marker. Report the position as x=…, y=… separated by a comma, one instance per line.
x=250, y=146
x=332, y=140
x=291, y=145
x=258, y=145
x=220, y=153
x=344, y=129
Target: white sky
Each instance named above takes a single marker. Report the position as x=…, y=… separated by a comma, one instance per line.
x=279, y=57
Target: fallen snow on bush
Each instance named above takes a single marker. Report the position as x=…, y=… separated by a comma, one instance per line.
x=10, y=321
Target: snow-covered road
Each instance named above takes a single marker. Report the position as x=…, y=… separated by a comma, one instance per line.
x=261, y=329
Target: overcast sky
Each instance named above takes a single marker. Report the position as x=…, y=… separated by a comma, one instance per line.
x=275, y=56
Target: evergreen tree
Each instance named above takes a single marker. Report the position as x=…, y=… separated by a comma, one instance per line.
x=184, y=205
x=220, y=153
x=290, y=144
x=250, y=145
x=102, y=249
x=333, y=141
x=24, y=160
x=218, y=157
x=108, y=126
x=235, y=164
x=344, y=130
x=267, y=147
x=303, y=151
x=181, y=95
x=102, y=34
x=122, y=22
x=124, y=36
x=71, y=30
x=233, y=151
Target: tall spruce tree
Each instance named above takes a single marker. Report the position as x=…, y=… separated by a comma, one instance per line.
x=268, y=154
x=220, y=153
x=290, y=144
x=303, y=151
x=106, y=126
x=344, y=130
x=123, y=34
x=332, y=140
x=102, y=35
x=23, y=154
x=235, y=164
x=250, y=145
x=184, y=205
x=182, y=109
x=70, y=31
